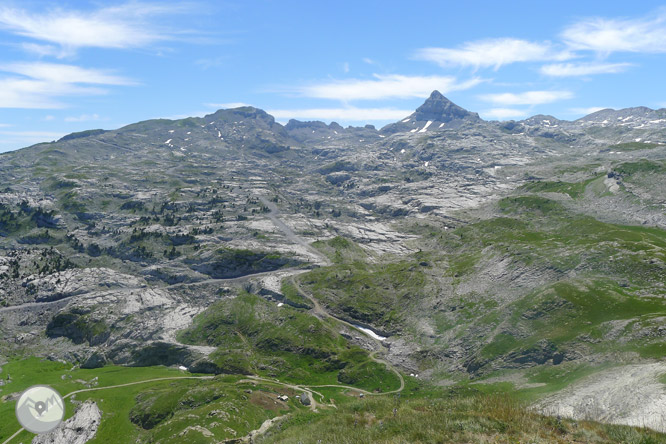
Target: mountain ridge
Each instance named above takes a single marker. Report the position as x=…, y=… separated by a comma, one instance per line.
x=437, y=109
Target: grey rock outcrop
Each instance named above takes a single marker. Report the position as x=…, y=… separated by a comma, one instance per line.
x=305, y=399
x=79, y=429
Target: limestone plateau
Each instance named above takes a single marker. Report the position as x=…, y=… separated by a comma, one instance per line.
x=463, y=247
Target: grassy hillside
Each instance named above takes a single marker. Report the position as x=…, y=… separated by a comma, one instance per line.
x=255, y=336
x=535, y=283
x=452, y=418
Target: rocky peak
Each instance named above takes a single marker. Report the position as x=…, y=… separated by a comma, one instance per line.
x=440, y=109
x=435, y=113
x=242, y=113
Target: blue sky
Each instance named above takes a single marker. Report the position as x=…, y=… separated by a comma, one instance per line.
x=72, y=65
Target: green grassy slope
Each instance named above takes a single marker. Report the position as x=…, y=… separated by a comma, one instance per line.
x=255, y=336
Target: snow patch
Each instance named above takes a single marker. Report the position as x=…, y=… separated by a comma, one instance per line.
x=370, y=333
x=406, y=120
x=423, y=130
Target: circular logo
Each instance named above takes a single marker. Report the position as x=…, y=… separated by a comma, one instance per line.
x=40, y=409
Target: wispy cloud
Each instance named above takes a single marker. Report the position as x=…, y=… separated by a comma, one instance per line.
x=385, y=87
x=583, y=69
x=343, y=114
x=212, y=62
x=128, y=25
x=646, y=34
x=59, y=73
x=227, y=105
x=503, y=113
x=17, y=139
x=43, y=85
x=586, y=111
x=527, y=98
x=83, y=118
x=493, y=53
x=44, y=50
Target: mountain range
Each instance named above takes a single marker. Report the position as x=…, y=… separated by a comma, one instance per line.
x=443, y=248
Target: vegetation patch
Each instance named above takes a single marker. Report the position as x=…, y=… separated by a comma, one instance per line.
x=452, y=417
x=375, y=294
x=256, y=336
x=79, y=326
x=631, y=146
x=231, y=263
x=573, y=189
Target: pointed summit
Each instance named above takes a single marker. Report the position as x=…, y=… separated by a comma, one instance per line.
x=435, y=113
x=440, y=109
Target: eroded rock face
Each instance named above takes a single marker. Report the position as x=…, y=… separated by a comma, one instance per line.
x=161, y=215
x=79, y=429
x=630, y=395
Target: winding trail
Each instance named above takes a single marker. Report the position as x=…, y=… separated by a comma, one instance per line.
x=273, y=214
x=134, y=383
x=70, y=394
x=234, y=280
x=380, y=347
x=317, y=309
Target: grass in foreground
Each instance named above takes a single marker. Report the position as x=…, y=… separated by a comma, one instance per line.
x=452, y=418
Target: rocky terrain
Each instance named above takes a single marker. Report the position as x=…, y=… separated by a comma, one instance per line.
x=78, y=429
x=474, y=247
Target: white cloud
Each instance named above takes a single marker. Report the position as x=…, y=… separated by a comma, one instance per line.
x=227, y=105
x=211, y=62
x=583, y=69
x=527, y=98
x=493, y=53
x=42, y=85
x=385, y=87
x=647, y=34
x=343, y=114
x=123, y=26
x=82, y=118
x=586, y=111
x=345, y=67
x=44, y=50
x=503, y=113
x=59, y=73
x=11, y=140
